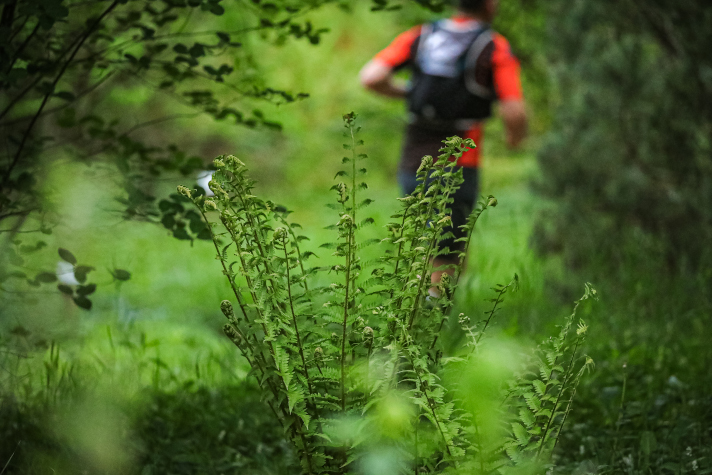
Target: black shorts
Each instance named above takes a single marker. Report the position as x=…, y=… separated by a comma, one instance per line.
x=464, y=201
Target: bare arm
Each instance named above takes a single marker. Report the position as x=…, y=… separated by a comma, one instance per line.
x=514, y=116
x=378, y=77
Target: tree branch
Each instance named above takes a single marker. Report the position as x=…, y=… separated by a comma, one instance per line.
x=25, y=136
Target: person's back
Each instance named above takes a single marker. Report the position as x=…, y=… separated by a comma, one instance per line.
x=459, y=67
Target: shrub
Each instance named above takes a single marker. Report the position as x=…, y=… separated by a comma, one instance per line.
x=628, y=164
x=352, y=369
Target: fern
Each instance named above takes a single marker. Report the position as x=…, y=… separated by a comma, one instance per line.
x=541, y=398
x=325, y=355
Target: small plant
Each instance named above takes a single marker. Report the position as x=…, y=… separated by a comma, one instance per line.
x=353, y=368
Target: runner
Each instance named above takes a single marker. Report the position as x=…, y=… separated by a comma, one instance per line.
x=459, y=67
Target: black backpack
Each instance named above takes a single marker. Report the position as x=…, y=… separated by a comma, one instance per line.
x=452, y=74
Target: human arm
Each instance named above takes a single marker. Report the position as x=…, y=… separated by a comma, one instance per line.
x=508, y=88
x=377, y=76
x=514, y=116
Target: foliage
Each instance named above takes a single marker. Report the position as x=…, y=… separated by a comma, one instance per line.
x=547, y=389
x=67, y=72
x=59, y=62
x=646, y=409
x=628, y=163
x=626, y=169
x=634, y=423
x=202, y=429
x=194, y=428
x=367, y=343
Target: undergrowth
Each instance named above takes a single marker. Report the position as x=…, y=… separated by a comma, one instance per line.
x=354, y=370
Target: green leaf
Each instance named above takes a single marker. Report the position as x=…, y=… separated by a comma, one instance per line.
x=182, y=234
x=306, y=418
x=169, y=207
x=80, y=273
x=520, y=433
x=295, y=395
x=27, y=248
x=85, y=290
x=526, y=416
x=82, y=302
x=67, y=256
x=168, y=221
x=197, y=50
x=539, y=387
x=65, y=289
x=532, y=401
x=180, y=48
x=46, y=277
x=121, y=274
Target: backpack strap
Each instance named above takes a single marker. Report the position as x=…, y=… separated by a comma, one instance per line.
x=482, y=42
x=425, y=31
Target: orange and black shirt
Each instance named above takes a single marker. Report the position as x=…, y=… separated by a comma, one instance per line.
x=505, y=81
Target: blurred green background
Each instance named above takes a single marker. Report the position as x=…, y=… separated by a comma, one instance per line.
x=145, y=382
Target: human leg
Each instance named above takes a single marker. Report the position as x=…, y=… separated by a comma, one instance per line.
x=464, y=201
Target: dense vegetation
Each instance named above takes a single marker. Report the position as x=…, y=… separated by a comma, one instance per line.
x=146, y=382
x=628, y=159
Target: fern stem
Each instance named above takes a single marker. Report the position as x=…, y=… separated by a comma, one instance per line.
x=353, y=174
x=299, y=341
x=255, y=364
x=345, y=322
x=270, y=347
x=399, y=254
x=558, y=398
x=426, y=190
x=307, y=453
x=568, y=405
x=413, y=244
x=226, y=271
x=424, y=273
x=431, y=405
x=294, y=320
x=459, y=269
x=239, y=298
x=431, y=402
x=561, y=340
x=497, y=301
x=259, y=238
x=437, y=186
x=349, y=263
x=251, y=286
x=295, y=243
